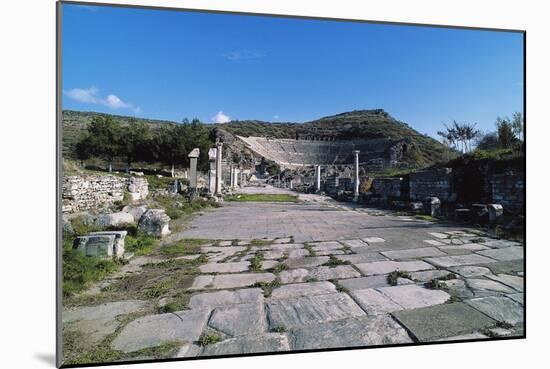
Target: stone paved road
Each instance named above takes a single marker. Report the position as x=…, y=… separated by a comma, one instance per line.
x=324, y=282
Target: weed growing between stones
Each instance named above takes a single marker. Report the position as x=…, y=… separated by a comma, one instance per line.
x=309, y=248
x=268, y=287
x=256, y=262
x=186, y=246
x=278, y=329
x=339, y=287
x=393, y=277
x=258, y=242
x=279, y=268
x=436, y=283
x=209, y=338
x=334, y=262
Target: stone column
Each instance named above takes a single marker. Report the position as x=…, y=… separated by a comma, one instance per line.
x=318, y=178
x=290, y=185
x=218, y=168
x=357, y=181
x=193, y=156
x=212, y=153
x=231, y=176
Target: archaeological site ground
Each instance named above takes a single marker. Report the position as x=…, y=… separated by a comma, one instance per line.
x=363, y=186
x=265, y=244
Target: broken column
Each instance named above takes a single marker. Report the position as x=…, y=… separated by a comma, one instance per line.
x=318, y=178
x=108, y=244
x=193, y=156
x=356, y=183
x=212, y=170
x=496, y=213
x=218, y=168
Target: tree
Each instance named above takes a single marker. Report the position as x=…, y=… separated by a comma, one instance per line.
x=517, y=125
x=505, y=132
x=168, y=146
x=103, y=139
x=83, y=151
x=133, y=143
x=460, y=135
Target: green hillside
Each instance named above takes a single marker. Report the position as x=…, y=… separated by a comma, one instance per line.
x=350, y=125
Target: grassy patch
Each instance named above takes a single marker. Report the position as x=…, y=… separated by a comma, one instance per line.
x=256, y=262
x=177, y=206
x=258, y=242
x=279, y=268
x=80, y=271
x=395, y=275
x=262, y=198
x=209, y=338
x=186, y=246
x=309, y=248
x=140, y=245
x=268, y=287
x=425, y=217
x=436, y=283
x=334, y=261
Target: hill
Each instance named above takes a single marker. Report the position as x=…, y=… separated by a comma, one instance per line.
x=366, y=124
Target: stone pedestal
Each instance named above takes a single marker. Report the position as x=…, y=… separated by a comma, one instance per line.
x=496, y=213
x=212, y=153
x=432, y=206
x=356, y=180
x=318, y=178
x=218, y=190
x=193, y=156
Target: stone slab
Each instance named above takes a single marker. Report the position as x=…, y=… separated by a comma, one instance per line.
x=485, y=287
x=434, y=242
x=465, y=337
x=506, y=267
x=282, y=240
x=273, y=254
x=222, y=281
x=501, y=244
x=500, y=308
x=413, y=253
x=96, y=322
x=513, y=281
x=370, y=240
x=362, y=331
x=303, y=289
x=517, y=297
x=413, y=296
x=222, y=298
x=307, y=262
x=362, y=283
x=298, y=253
x=504, y=254
x=269, y=342
x=239, y=320
x=462, y=249
x=300, y=311
x=363, y=257
x=354, y=243
x=449, y=261
x=324, y=273
x=285, y=246
x=470, y=270
x=293, y=275
x=154, y=330
x=374, y=302
x=440, y=321
x=235, y=267
x=385, y=267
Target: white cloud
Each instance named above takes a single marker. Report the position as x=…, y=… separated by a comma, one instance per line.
x=114, y=102
x=220, y=117
x=88, y=95
x=91, y=96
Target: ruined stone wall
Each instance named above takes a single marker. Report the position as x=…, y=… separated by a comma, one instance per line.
x=436, y=183
x=388, y=187
x=508, y=190
x=100, y=191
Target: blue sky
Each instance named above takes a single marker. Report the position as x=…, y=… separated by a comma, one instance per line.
x=171, y=64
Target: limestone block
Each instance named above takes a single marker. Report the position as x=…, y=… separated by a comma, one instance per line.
x=101, y=244
x=155, y=222
x=136, y=210
x=495, y=213
x=115, y=219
